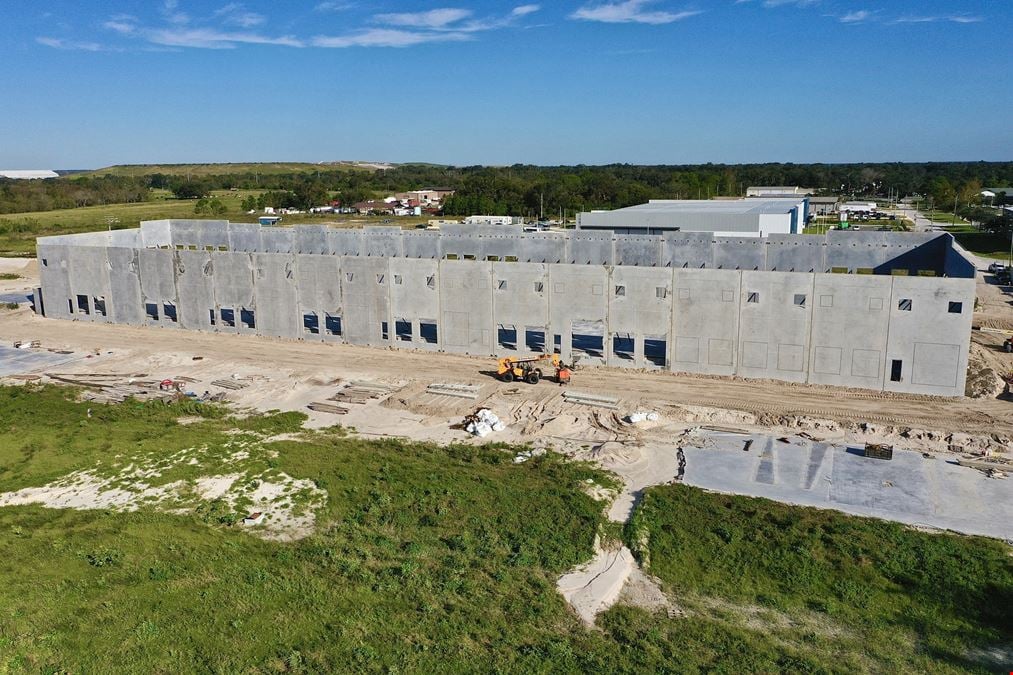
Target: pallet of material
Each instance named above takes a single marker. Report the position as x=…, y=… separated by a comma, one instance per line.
x=328, y=408
x=230, y=384
x=593, y=400
x=470, y=391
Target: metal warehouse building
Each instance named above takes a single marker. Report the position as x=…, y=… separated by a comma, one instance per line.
x=882, y=311
x=720, y=217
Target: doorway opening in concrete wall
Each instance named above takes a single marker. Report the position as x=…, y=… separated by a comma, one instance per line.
x=623, y=346
x=82, y=304
x=896, y=370
x=428, y=332
x=311, y=323
x=99, y=303
x=656, y=350
x=247, y=318
x=332, y=324
x=403, y=330
x=151, y=311
x=212, y=313
x=384, y=333
x=506, y=336
x=557, y=344
x=588, y=337
x=228, y=316
x=534, y=339
x=169, y=312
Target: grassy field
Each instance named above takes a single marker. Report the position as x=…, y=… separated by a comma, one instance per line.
x=850, y=594
x=985, y=244
x=19, y=230
x=942, y=217
x=443, y=559
x=223, y=169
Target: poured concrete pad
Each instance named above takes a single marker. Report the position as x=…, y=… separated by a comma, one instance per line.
x=595, y=586
x=909, y=488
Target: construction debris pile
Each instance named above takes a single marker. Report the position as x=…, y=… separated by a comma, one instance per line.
x=483, y=422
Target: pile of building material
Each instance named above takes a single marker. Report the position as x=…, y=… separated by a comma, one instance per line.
x=328, y=408
x=233, y=384
x=360, y=392
x=638, y=417
x=483, y=422
x=457, y=390
x=593, y=400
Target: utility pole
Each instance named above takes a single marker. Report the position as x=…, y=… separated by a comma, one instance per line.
x=954, y=209
x=541, y=206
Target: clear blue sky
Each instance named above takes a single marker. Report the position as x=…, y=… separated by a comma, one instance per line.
x=91, y=83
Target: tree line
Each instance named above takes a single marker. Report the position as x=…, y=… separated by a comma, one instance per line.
x=526, y=190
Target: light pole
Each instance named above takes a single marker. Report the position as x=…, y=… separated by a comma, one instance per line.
x=954, y=209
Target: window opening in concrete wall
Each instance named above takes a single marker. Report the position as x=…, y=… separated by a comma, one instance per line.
x=896, y=368
x=799, y=300
x=349, y=276
x=247, y=318
x=838, y=270
x=469, y=256
x=398, y=279
x=557, y=344
x=904, y=304
x=534, y=338
x=403, y=330
x=99, y=303
x=506, y=336
x=428, y=331
x=588, y=337
x=451, y=256
x=311, y=323
x=956, y=307
x=753, y=297
x=926, y=273
x=620, y=291
x=82, y=304
x=623, y=346
x=45, y=263
x=660, y=292
x=169, y=312
x=379, y=278
x=492, y=258
x=539, y=287
x=332, y=324
x=431, y=281
x=899, y=273
x=228, y=316
x=501, y=285
x=656, y=350
x=212, y=316
x=384, y=334
x=865, y=270
x=70, y=305
x=511, y=258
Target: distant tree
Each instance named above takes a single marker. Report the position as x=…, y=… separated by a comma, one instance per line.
x=249, y=203
x=189, y=189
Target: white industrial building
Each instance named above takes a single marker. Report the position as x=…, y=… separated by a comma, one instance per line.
x=777, y=191
x=31, y=174
x=726, y=217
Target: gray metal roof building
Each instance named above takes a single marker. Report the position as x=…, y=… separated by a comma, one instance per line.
x=736, y=217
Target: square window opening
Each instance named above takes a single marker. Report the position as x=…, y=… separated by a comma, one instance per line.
x=905, y=304
x=656, y=351
x=311, y=323
x=228, y=316
x=403, y=330
x=956, y=308
x=379, y=278
x=151, y=310
x=534, y=339
x=246, y=316
x=896, y=369
x=501, y=285
x=620, y=291
x=428, y=331
x=623, y=346
x=332, y=324
x=799, y=300
x=506, y=337
x=398, y=280
x=431, y=281
x=169, y=312
x=661, y=292
x=539, y=287
x=82, y=304
x=753, y=297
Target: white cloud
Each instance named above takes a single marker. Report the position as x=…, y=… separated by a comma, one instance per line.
x=434, y=19
x=59, y=43
x=630, y=11
x=331, y=6
x=235, y=13
x=524, y=10
x=388, y=37
x=786, y=3
x=856, y=17
x=210, y=38
x=953, y=18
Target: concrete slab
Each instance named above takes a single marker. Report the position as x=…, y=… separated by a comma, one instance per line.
x=23, y=361
x=909, y=488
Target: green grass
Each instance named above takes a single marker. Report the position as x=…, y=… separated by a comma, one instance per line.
x=222, y=169
x=19, y=230
x=443, y=559
x=942, y=217
x=985, y=244
x=853, y=594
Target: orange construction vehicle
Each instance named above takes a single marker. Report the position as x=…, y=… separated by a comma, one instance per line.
x=527, y=368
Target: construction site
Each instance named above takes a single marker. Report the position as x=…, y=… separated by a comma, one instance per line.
x=765, y=368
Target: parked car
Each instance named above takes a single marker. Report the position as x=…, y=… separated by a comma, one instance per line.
x=995, y=268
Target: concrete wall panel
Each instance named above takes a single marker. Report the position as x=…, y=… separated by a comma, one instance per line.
x=467, y=323
x=775, y=310
x=705, y=321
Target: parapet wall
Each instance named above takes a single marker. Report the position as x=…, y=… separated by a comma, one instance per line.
x=874, y=331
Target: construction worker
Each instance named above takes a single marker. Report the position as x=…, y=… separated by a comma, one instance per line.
x=563, y=374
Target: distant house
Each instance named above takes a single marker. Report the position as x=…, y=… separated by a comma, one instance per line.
x=997, y=195
x=375, y=207
x=21, y=174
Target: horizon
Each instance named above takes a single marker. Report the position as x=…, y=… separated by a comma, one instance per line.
x=485, y=83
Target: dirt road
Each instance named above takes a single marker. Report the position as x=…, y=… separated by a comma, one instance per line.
x=314, y=360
